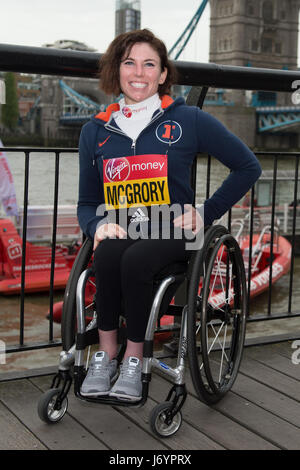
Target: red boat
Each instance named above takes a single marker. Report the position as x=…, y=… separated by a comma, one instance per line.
x=37, y=263
x=260, y=262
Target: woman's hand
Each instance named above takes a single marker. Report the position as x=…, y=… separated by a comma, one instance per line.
x=190, y=220
x=108, y=231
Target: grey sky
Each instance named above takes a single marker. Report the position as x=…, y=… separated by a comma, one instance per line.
x=36, y=22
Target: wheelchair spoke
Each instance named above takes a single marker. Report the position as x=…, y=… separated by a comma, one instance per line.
x=223, y=353
x=89, y=306
x=92, y=282
x=217, y=338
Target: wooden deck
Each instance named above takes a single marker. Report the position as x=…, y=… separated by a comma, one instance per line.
x=261, y=412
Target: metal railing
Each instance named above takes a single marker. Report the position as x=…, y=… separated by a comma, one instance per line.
x=81, y=64
x=232, y=216
x=56, y=152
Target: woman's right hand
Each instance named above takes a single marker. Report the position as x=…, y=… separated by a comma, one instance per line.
x=108, y=231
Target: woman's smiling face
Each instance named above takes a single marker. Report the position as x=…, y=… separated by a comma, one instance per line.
x=140, y=73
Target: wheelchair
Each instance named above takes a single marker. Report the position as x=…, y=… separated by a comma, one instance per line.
x=211, y=336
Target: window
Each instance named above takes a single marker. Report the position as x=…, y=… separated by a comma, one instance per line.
x=250, y=9
x=254, y=45
x=278, y=48
x=226, y=10
x=266, y=45
x=268, y=12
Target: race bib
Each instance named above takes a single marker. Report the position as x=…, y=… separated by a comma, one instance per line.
x=135, y=180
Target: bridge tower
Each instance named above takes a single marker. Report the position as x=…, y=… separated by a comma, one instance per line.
x=128, y=16
x=256, y=33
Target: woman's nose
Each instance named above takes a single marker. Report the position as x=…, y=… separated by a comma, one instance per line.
x=139, y=70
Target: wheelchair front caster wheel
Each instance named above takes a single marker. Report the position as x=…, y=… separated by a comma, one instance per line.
x=162, y=423
x=49, y=410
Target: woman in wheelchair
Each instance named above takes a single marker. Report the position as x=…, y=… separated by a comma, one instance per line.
x=134, y=157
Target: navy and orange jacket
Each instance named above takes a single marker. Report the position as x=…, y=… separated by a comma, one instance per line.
x=182, y=132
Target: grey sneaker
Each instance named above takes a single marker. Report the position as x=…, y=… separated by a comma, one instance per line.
x=129, y=384
x=100, y=376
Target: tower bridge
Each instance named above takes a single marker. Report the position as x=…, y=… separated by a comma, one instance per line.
x=67, y=103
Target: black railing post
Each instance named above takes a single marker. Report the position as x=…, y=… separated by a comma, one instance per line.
x=251, y=221
x=272, y=231
x=54, y=229
x=293, y=234
x=24, y=238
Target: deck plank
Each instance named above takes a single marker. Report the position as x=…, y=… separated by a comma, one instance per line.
x=279, y=359
x=260, y=421
x=268, y=399
x=285, y=348
x=14, y=435
x=21, y=397
x=270, y=377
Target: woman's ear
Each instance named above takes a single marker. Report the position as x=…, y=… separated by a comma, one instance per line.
x=163, y=76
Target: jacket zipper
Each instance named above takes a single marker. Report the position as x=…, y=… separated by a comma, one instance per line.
x=133, y=145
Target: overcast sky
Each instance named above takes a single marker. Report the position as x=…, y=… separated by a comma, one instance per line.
x=36, y=22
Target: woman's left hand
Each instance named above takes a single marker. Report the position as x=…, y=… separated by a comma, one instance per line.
x=190, y=220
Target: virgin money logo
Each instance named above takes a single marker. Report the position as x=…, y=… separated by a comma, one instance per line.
x=127, y=112
x=117, y=169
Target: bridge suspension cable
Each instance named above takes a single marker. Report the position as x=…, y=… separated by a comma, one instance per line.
x=82, y=103
x=182, y=41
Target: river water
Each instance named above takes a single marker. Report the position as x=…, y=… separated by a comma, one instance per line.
x=41, y=192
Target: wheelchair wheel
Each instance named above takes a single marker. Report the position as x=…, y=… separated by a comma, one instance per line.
x=161, y=421
x=68, y=322
x=47, y=409
x=217, y=315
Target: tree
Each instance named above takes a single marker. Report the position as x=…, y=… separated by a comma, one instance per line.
x=10, y=110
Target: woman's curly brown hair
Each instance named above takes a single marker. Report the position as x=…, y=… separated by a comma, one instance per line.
x=109, y=65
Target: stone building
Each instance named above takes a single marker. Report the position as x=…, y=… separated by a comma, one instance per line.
x=256, y=33
x=253, y=33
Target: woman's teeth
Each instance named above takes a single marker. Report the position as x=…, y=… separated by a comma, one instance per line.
x=138, y=85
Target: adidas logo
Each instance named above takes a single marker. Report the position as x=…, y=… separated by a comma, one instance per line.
x=139, y=216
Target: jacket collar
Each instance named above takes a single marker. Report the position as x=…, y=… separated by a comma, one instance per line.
x=166, y=101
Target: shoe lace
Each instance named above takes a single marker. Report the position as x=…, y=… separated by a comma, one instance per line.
x=99, y=370
x=128, y=370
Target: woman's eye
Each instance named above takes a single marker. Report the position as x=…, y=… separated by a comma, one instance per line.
x=128, y=62
x=149, y=64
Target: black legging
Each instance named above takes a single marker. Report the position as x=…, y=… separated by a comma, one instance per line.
x=125, y=269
